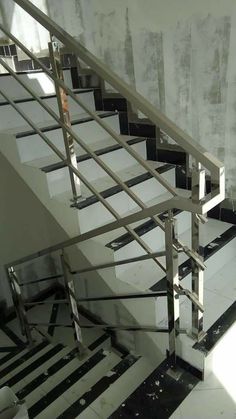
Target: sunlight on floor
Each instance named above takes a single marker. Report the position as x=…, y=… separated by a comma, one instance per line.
x=224, y=362
x=46, y=85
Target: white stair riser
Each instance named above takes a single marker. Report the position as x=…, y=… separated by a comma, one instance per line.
x=122, y=203
x=33, y=147
x=59, y=181
x=10, y=118
x=213, y=265
x=40, y=82
x=155, y=239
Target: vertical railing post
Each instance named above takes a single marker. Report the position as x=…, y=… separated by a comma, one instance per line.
x=63, y=106
x=172, y=275
x=198, y=192
x=19, y=304
x=71, y=295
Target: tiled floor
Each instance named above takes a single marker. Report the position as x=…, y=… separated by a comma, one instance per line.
x=216, y=396
x=207, y=400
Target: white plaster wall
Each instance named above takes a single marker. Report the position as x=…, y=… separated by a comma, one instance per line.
x=180, y=54
x=26, y=227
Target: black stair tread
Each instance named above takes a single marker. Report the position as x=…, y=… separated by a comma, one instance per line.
x=117, y=188
x=160, y=394
x=215, y=333
x=100, y=387
x=98, y=152
x=19, y=361
x=44, y=97
x=71, y=379
x=34, y=365
x=29, y=72
x=207, y=251
x=58, y=365
x=81, y=120
x=142, y=229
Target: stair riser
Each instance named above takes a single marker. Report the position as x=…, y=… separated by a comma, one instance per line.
x=10, y=118
x=59, y=182
x=122, y=203
x=155, y=239
x=38, y=81
x=32, y=147
x=213, y=265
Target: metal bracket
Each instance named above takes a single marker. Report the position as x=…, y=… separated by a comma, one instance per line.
x=190, y=295
x=193, y=255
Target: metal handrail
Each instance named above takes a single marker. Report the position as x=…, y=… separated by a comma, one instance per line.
x=114, y=225
x=155, y=218
x=133, y=196
x=104, y=326
x=155, y=294
x=172, y=130
x=74, y=170
x=199, y=203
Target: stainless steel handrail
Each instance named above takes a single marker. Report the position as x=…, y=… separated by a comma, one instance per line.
x=184, y=140
x=155, y=218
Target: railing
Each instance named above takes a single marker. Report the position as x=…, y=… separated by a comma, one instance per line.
x=198, y=204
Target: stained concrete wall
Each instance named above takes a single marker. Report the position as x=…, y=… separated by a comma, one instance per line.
x=180, y=54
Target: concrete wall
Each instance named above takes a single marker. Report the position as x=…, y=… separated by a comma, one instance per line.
x=180, y=54
x=26, y=227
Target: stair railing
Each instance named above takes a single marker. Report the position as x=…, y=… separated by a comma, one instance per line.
x=198, y=205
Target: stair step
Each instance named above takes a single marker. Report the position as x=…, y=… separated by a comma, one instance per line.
x=217, y=330
x=20, y=358
x=50, y=369
x=142, y=229
x=160, y=168
x=9, y=117
x=36, y=153
x=52, y=127
x=37, y=80
x=30, y=365
x=60, y=390
x=99, y=148
x=163, y=391
x=100, y=388
x=211, y=246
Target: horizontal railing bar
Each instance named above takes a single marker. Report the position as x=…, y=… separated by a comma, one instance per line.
x=92, y=154
x=36, y=281
x=102, y=266
x=46, y=302
x=108, y=327
x=125, y=296
x=159, y=119
x=138, y=295
x=82, y=178
x=156, y=219
x=113, y=225
x=102, y=123
x=119, y=262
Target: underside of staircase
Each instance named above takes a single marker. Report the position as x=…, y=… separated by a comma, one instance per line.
x=93, y=336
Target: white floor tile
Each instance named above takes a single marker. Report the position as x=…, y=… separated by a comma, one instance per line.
x=212, y=404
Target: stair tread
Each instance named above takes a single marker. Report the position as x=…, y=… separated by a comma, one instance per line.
x=103, y=388
x=69, y=384
x=45, y=96
x=50, y=163
x=155, y=394
x=132, y=175
x=115, y=235
x=49, y=125
x=145, y=275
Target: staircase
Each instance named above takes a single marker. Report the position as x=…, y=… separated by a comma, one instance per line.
x=125, y=306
